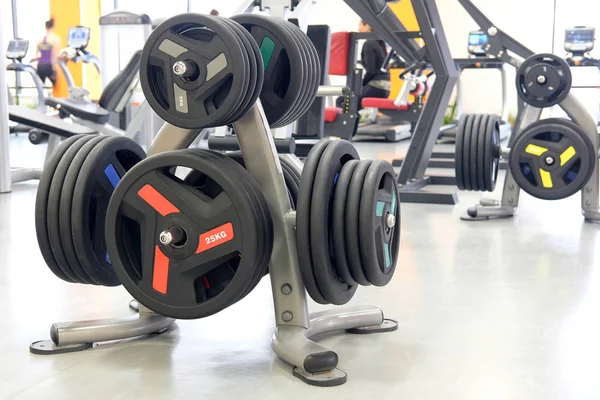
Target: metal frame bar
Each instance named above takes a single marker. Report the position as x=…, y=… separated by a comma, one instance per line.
x=5, y=177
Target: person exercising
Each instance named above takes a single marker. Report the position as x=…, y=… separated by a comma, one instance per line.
x=372, y=57
x=373, y=54
x=47, y=53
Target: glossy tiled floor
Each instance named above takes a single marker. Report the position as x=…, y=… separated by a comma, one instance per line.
x=505, y=309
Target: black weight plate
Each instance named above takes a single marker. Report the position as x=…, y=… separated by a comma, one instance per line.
x=283, y=65
x=264, y=214
x=295, y=172
x=303, y=210
x=338, y=222
x=252, y=68
x=306, y=71
x=571, y=154
x=486, y=124
x=491, y=153
x=260, y=68
x=557, y=80
x=476, y=132
x=218, y=260
x=292, y=185
x=97, y=179
x=459, y=151
x=41, y=207
x=216, y=93
x=466, y=157
x=196, y=178
x=64, y=213
x=379, y=242
x=353, y=206
x=314, y=67
x=472, y=158
x=53, y=212
x=331, y=163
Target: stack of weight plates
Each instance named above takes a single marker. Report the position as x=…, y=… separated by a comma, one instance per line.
x=347, y=222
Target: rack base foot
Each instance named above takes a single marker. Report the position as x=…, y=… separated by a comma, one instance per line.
x=388, y=325
x=335, y=377
x=48, y=347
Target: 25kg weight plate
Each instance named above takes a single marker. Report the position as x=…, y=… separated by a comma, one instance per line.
x=187, y=250
x=379, y=223
x=472, y=160
x=552, y=159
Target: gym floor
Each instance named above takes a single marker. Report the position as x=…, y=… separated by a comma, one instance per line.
x=504, y=309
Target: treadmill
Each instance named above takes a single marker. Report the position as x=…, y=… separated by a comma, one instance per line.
x=478, y=59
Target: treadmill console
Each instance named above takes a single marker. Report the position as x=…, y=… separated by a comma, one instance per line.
x=579, y=40
x=79, y=37
x=17, y=49
x=478, y=40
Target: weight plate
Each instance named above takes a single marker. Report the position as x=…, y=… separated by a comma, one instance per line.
x=74, y=272
x=476, y=133
x=315, y=68
x=466, y=158
x=353, y=205
x=485, y=126
x=303, y=210
x=543, y=80
x=282, y=63
x=96, y=180
x=491, y=153
x=332, y=161
x=459, y=150
x=307, y=75
x=263, y=212
x=338, y=221
x=379, y=223
x=41, y=207
x=186, y=250
x=260, y=68
x=64, y=212
x=213, y=66
x=552, y=159
x=291, y=183
x=247, y=41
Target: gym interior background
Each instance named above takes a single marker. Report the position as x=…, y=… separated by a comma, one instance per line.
x=505, y=309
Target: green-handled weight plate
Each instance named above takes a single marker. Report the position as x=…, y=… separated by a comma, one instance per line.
x=379, y=223
x=335, y=156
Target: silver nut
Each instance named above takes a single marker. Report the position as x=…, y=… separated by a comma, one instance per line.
x=511, y=200
x=511, y=187
x=179, y=68
x=541, y=79
x=493, y=31
x=588, y=203
x=549, y=160
x=588, y=189
x=166, y=238
x=390, y=221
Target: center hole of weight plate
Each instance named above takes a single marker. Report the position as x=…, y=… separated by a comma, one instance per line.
x=187, y=70
x=175, y=237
